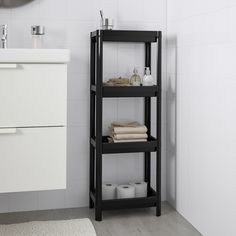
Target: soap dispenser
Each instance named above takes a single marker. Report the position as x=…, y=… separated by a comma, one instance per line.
x=37, y=32
x=135, y=79
x=148, y=79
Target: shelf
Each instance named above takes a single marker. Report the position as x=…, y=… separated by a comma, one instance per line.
x=108, y=148
x=99, y=144
x=130, y=91
x=126, y=203
x=127, y=35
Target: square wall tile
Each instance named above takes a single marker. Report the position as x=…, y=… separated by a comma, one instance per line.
x=77, y=139
x=80, y=10
x=109, y=114
x=78, y=166
x=78, y=112
x=132, y=10
x=110, y=60
x=127, y=166
x=78, y=86
x=157, y=13
x=80, y=62
x=131, y=109
x=110, y=172
x=55, y=33
x=79, y=34
x=53, y=9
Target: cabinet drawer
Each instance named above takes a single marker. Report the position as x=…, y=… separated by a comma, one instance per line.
x=33, y=95
x=32, y=159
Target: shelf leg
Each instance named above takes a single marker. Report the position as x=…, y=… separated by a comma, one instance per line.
x=158, y=108
x=147, y=170
x=91, y=187
x=147, y=120
x=147, y=155
x=98, y=194
x=99, y=78
x=92, y=120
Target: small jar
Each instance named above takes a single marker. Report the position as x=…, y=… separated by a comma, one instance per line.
x=148, y=79
x=107, y=24
x=37, y=32
x=135, y=79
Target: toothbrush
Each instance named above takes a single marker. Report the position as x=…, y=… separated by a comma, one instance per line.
x=101, y=14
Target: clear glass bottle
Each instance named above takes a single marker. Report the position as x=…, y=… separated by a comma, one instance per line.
x=148, y=79
x=135, y=79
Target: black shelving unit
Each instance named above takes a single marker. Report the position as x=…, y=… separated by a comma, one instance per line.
x=99, y=144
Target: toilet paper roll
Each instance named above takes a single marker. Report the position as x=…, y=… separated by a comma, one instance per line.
x=125, y=191
x=108, y=191
x=140, y=189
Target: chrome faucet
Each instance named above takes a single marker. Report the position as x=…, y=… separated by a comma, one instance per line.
x=3, y=36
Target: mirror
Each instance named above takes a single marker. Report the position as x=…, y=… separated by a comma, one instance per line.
x=13, y=3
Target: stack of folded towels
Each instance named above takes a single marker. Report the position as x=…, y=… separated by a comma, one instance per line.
x=128, y=132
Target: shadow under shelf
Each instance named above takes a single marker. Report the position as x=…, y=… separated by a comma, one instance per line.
x=130, y=147
x=128, y=91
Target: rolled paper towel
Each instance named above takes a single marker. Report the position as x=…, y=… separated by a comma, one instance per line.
x=140, y=189
x=108, y=191
x=125, y=191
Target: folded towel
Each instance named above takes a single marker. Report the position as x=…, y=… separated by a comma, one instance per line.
x=142, y=129
x=111, y=140
x=117, y=82
x=128, y=128
x=129, y=140
x=129, y=136
x=125, y=124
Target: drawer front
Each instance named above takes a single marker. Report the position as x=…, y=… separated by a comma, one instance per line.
x=33, y=95
x=32, y=159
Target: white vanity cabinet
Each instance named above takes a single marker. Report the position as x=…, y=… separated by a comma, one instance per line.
x=33, y=98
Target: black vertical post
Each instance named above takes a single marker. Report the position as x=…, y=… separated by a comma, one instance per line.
x=158, y=153
x=99, y=77
x=92, y=119
x=147, y=120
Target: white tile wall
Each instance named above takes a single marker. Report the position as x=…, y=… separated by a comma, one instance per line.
x=201, y=113
x=68, y=23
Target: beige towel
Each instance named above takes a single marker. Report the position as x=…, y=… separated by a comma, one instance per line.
x=128, y=128
x=129, y=136
x=125, y=124
x=111, y=140
x=117, y=82
x=129, y=140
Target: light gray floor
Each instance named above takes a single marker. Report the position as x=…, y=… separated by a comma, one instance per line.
x=137, y=222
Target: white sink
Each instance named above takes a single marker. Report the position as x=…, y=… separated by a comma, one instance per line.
x=34, y=55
